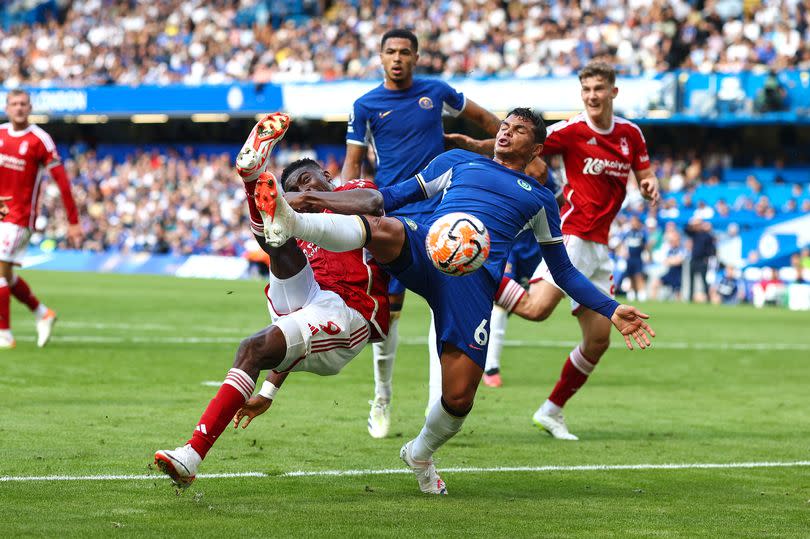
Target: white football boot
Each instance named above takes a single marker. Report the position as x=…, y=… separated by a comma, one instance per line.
x=180, y=464
x=7, y=341
x=379, y=418
x=45, y=327
x=425, y=472
x=554, y=424
x=254, y=156
x=277, y=216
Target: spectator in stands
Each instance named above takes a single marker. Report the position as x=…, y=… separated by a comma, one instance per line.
x=727, y=290
x=801, y=272
x=772, y=96
x=675, y=256
x=636, y=243
x=216, y=43
x=703, y=249
x=769, y=290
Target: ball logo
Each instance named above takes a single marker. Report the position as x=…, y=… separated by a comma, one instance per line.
x=524, y=184
x=24, y=147
x=593, y=166
x=426, y=103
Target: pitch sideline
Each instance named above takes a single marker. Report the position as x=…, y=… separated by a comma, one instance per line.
x=396, y=471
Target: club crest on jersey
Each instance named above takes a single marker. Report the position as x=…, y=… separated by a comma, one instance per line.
x=412, y=225
x=426, y=103
x=624, y=146
x=524, y=184
x=23, y=147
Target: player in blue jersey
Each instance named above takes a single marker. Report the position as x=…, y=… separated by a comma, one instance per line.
x=507, y=201
x=523, y=260
x=635, y=240
x=401, y=121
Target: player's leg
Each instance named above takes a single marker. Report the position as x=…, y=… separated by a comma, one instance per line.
x=462, y=336
x=492, y=369
x=460, y=379
x=541, y=300
x=382, y=236
x=379, y=417
x=45, y=317
x=435, y=371
x=6, y=274
x=593, y=261
x=288, y=291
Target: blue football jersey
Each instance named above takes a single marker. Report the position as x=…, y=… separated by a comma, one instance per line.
x=404, y=129
x=505, y=200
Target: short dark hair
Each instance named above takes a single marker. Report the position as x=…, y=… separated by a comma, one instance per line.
x=295, y=165
x=403, y=33
x=526, y=113
x=597, y=68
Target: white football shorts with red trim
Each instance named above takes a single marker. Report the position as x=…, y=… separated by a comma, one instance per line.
x=13, y=242
x=323, y=335
x=592, y=259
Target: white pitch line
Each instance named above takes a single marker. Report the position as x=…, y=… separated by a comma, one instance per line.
x=398, y=471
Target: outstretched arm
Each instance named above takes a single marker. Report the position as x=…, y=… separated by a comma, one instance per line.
x=259, y=403
x=484, y=147
x=628, y=320
x=352, y=165
x=351, y=202
x=58, y=173
x=481, y=117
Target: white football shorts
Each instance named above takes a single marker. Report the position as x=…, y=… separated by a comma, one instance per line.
x=323, y=333
x=13, y=242
x=590, y=258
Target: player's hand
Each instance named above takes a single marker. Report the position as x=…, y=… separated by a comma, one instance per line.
x=302, y=203
x=649, y=190
x=631, y=323
x=4, y=209
x=75, y=235
x=457, y=140
x=538, y=170
x=256, y=405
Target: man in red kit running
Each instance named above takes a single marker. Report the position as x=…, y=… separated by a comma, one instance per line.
x=599, y=151
x=25, y=151
x=324, y=306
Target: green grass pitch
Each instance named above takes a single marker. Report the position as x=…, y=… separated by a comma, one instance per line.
x=125, y=372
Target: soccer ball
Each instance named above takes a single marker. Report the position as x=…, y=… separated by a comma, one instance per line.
x=457, y=243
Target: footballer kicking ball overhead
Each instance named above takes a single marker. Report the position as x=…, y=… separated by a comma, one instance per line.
x=457, y=243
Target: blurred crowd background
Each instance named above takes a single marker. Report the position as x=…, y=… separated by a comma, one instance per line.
x=200, y=41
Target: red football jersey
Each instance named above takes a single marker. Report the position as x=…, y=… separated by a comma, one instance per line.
x=597, y=165
x=24, y=155
x=352, y=275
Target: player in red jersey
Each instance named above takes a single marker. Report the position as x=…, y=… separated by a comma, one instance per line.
x=26, y=151
x=324, y=306
x=599, y=150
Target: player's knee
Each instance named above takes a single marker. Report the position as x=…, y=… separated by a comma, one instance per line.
x=595, y=348
x=538, y=311
x=260, y=351
x=458, y=404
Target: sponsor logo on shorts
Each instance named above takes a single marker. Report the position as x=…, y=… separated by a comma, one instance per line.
x=426, y=103
x=411, y=224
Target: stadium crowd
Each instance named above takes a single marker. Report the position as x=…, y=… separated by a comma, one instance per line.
x=195, y=41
